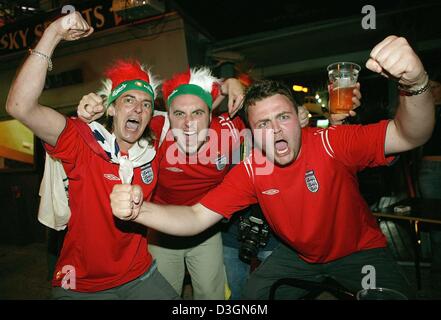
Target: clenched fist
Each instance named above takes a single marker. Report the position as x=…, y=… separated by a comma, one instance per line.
x=90, y=108
x=126, y=201
x=394, y=58
x=71, y=27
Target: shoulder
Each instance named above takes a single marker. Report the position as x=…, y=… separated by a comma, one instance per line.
x=224, y=120
x=157, y=123
x=223, y=123
x=75, y=126
x=320, y=139
x=351, y=139
x=256, y=165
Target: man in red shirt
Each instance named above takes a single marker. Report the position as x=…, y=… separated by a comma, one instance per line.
x=194, y=158
x=101, y=258
x=310, y=196
x=195, y=155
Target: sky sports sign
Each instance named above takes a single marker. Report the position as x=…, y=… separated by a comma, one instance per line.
x=26, y=33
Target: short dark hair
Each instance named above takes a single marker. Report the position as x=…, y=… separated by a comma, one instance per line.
x=262, y=89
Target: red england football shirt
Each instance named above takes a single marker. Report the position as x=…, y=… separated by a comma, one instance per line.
x=103, y=251
x=184, y=180
x=314, y=203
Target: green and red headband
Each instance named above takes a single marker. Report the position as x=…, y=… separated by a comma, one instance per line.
x=194, y=90
x=196, y=81
x=126, y=75
x=140, y=85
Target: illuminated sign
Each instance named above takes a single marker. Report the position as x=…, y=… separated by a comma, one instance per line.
x=25, y=33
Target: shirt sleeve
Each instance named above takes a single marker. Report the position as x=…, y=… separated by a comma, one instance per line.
x=232, y=135
x=238, y=123
x=358, y=146
x=236, y=192
x=68, y=146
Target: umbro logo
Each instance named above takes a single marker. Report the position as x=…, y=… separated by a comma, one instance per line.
x=111, y=177
x=174, y=169
x=271, y=192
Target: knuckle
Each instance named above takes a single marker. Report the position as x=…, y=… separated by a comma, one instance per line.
x=392, y=37
x=402, y=40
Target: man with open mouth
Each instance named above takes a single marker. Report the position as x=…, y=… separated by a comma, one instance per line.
x=101, y=258
x=195, y=155
x=310, y=197
x=194, y=158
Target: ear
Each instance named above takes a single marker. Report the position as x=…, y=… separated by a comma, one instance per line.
x=209, y=120
x=111, y=110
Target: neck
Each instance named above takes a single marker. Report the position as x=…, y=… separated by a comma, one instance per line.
x=124, y=146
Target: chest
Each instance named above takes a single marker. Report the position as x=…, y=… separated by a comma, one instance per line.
x=308, y=185
x=99, y=176
x=210, y=164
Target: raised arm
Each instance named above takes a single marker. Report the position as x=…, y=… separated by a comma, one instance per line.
x=27, y=87
x=127, y=204
x=414, y=120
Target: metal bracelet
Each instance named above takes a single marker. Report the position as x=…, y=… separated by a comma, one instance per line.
x=423, y=88
x=44, y=56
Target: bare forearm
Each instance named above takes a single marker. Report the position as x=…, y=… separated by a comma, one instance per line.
x=23, y=96
x=177, y=220
x=413, y=123
x=29, y=83
x=415, y=117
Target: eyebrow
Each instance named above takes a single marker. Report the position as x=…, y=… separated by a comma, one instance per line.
x=277, y=115
x=129, y=95
x=199, y=109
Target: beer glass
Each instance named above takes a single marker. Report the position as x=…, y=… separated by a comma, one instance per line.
x=342, y=80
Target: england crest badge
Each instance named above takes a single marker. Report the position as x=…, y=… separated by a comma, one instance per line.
x=147, y=174
x=311, y=181
x=221, y=162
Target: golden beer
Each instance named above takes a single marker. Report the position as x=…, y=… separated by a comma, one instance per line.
x=342, y=80
x=340, y=100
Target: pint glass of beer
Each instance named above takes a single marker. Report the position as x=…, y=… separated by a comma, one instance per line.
x=342, y=79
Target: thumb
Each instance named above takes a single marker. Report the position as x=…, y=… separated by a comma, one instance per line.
x=88, y=108
x=98, y=108
x=136, y=194
x=374, y=66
